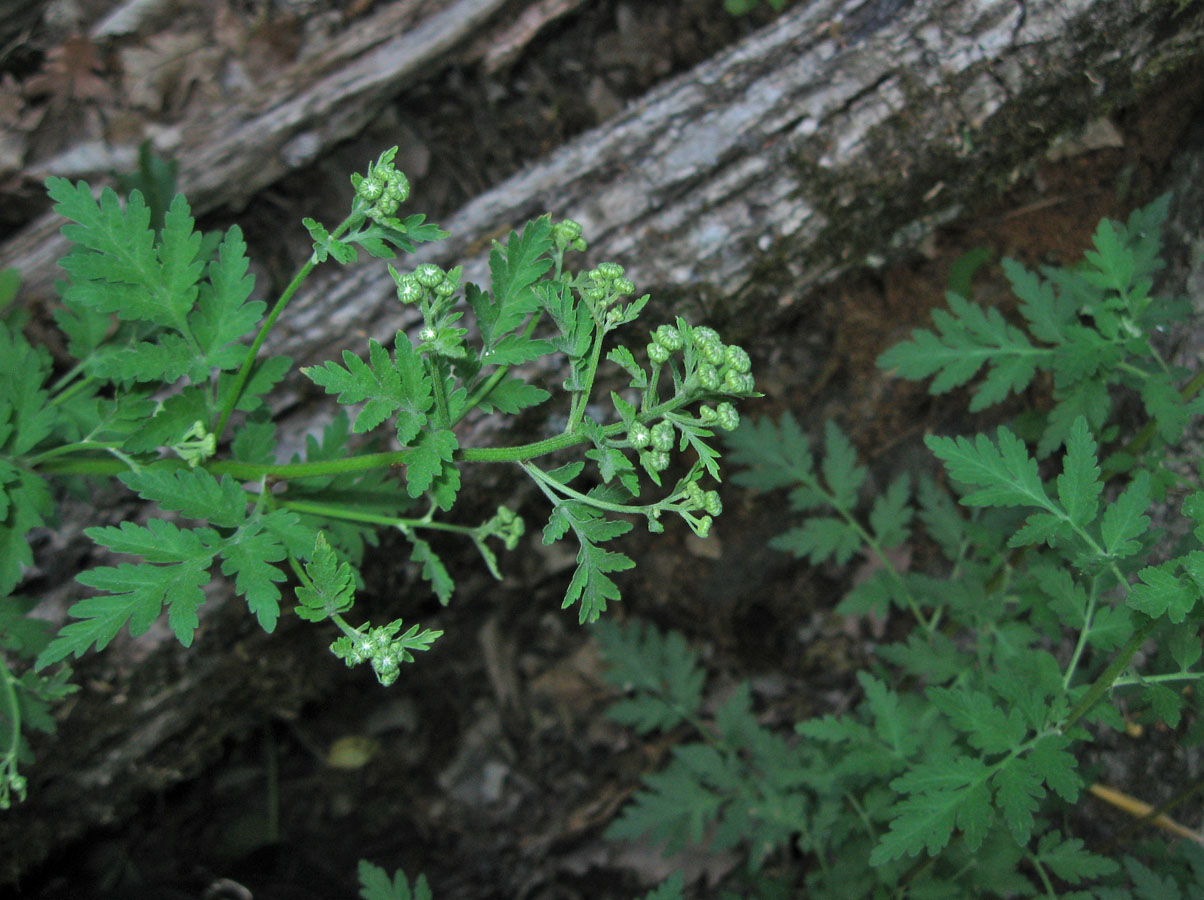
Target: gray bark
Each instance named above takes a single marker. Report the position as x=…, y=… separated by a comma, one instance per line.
x=844, y=130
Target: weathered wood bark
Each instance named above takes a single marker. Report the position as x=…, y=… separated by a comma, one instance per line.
x=331, y=92
x=844, y=129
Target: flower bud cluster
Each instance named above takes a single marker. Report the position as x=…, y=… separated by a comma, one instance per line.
x=724, y=416
x=425, y=282
x=385, y=188
x=380, y=648
x=722, y=368
x=719, y=368
x=708, y=501
x=567, y=233
x=607, y=285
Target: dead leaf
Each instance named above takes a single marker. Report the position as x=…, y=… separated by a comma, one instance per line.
x=71, y=72
x=161, y=75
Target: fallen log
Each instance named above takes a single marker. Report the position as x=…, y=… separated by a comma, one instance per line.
x=844, y=129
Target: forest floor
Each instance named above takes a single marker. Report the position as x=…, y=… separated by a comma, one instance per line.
x=490, y=765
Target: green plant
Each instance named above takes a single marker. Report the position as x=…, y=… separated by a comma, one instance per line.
x=166, y=342
x=744, y=7
x=1045, y=604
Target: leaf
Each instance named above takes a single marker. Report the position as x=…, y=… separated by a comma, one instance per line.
x=841, y=472
x=427, y=458
x=890, y=516
x=943, y=794
x=375, y=884
x=433, y=570
x=1017, y=790
x=223, y=316
x=1079, y=486
x=1068, y=859
x=512, y=395
x=774, y=455
x=514, y=349
x=514, y=268
x=137, y=596
x=1161, y=592
x=1124, y=520
x=1007, y=474
x=966, y=339
x=193, y=493
x=820, y=538
x=987, y=727
x=331, y=587
x=389, y=385
x=660, y=671
x=248, y=555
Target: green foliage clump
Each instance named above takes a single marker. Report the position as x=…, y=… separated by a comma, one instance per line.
x=167, y=393
x=1047, y=604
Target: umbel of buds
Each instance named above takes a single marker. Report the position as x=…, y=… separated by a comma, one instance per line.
x=384, y=187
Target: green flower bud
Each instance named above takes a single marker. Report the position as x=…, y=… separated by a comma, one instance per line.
x=703, y=335
x=658, y=354
x=727, y=417
x=713, y=352
x=427, y=334
x=694, y=494
x=711, y=503
x=638, y=435
x=733, y=381
x=708, y=377
x=658, y=460
x=445, y=288
x=579, y=245
x=608, y=271
x=408, y=289
x=429, y=275
x=662, y=436
x=623, y=287
x=386, y=670
x=702, y=527
x=371, y=188
x=566, y=231
x=737, y=359
x=594, y=295
x=668, y=337
x=707, y=414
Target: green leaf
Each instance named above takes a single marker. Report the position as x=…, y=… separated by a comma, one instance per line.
x=331, y=587
x=193, y=493
x=943, y=794
x=1017, y=789
x=389, y=385
x=988, y=728
x=514, y=269
x=433, y=570
x=890, y=516
x=137, y=594
x=512, y=395
x=820, y=538
x=1124, y=521
x=223, y=316
x=375, y=884
x=1007, y=474
x=430, y=454
x=774, y=455
x=248, y=555
x=660, y=671
x=1079, y=486
x=1070, y=861
x=1161, y=592
x=966, y=339
x=128, y=272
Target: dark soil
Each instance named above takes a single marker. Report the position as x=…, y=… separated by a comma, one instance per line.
x=489, y=766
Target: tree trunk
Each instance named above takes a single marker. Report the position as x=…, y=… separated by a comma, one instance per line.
x=842, y=131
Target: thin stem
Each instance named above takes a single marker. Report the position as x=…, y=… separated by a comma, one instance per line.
x=581, y=399
x=244, y=373
x=331, y=511
x=1108, y=677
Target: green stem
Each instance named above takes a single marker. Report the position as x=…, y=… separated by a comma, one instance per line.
x=244, y=373
x=1108, y=677
x=331, y=511
x=14, y=716
x=581, y=399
